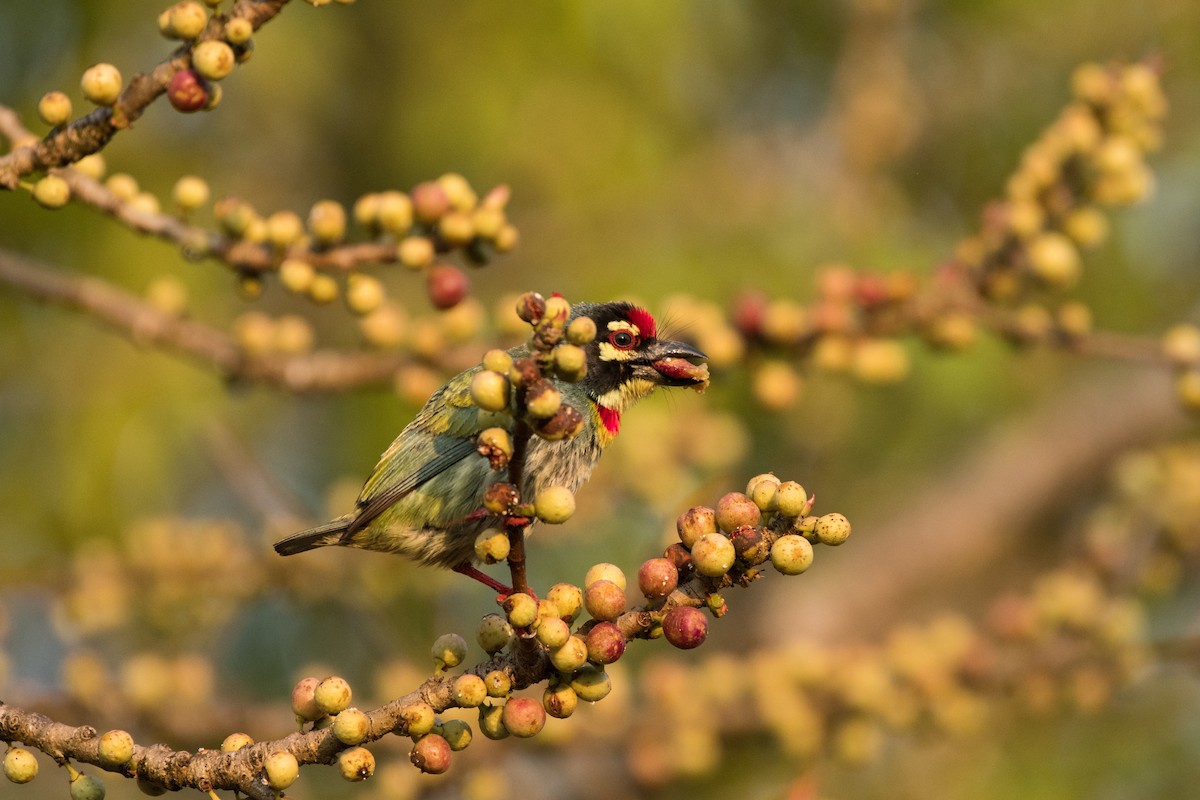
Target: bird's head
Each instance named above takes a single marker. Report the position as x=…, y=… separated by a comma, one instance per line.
x=627, y=360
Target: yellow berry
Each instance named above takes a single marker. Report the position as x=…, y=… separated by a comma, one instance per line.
x=491, y=546
x=554, y=505
x=190, y=193
x=54, y=108
x=791, y=554
x=356, y=763
x=296, y=275
x=603, y=572
x=713, y=554
x=469, y=691
x=351, y=726
x=832, y=529
x=791, y=499
x=92, y=166
x=282, y=770
x=364, y=293
x=1181, y=344
x=394, y=211
x=323, y=289
x=20, y=766
x=213, y=59
x=101, y=84
x=332, y=695
x=115, y=748
x=236, y=741
x=327, y=221
x=238, y=30
x=284, y=228
x=489, y=390
x=51, y=192
x=567, y=599
x=1054, y=259
x=415, y=252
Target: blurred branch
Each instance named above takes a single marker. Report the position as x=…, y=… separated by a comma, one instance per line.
x=321, y=371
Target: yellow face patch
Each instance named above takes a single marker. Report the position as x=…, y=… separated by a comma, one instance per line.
x=626, y=394
x=610, y=351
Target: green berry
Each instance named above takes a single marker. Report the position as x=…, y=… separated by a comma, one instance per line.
x=581, y=331
x=553, y=632
x=570, y=362
x=761, y=489
x=567, y=598
x=832, y=529
x=694, y=523
x=101, y=84
x=457, y=734
x=20, y=765
x=149, y=787
x=431, y=754
x=213, y=59
x=604, y=572
x=351, y=726
x=713, y=554
x=591, y=684
x=560, y=701
x=51, y=192
x=449, y=650
x=115, y=748
x=791, y=499
x=604, y=600
x=523, y=717
x=571, y=656
x=498, y=360
x=791, y=554
x=469, y=691
x=332, y=695
x=54, y=108
x=86, y=787
x=554, y=505
x=521, y=609
x=417, y=718
x=304, y=703
x=356, y=764
x=494, y=633
x=489, y=390
x=236, y=741
x=491, y=722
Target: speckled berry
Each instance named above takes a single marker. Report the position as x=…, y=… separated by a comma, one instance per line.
x=54, y=108
x=791, y=499
x=605, y=643
x=20, y=765
x=101, y=84
x=417, y=719
x=498, y=683
x=521, y=609
x=685, y=627
x=213, y=59
x=657, y=577
x=604, y=572
x=282, y=770
x=560, y=700
x=736, y=509
x=761, y=489
x=832, y=529
x=571, y=656
x=449, y=650
x=356, y=764
x=351, y=726
x=304, y=703
x=791, y=554
x=332, y=695
x=713, y=554
x=591, y=684
x=694, y=523
x=553, y=632
x=431, y=754
x=604, y=600
x=494, y=633
x=469, y=691
x=236, y=741
x=523, y=717
x=567, y=598
x=115, y=748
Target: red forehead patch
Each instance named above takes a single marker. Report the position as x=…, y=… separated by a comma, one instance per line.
x=644, y=321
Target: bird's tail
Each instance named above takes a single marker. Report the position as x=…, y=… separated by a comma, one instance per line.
x=320, y=536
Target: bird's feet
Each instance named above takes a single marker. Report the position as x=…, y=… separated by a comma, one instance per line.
x=502, y=590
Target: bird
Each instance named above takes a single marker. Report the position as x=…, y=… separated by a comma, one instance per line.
x=424, y=499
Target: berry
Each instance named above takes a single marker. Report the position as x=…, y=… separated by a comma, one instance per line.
x=571, y=656
x=581, y=331
x=491, y=722
x=54, y=108
x=351, y=726
x=449, y=650
x=685, y=627
x=750, y=546
x=456, y=228
x=591, y=684
x=542, y=400
x=832, y=529
x=356, y=764
x=86, y=787
x=494, y=633
x=431, y=754
x=190, y=192
x=553, y=632
x=604, y=600
x=791, y=500
x=657, y=577
x=498, y=683
x=115, y=748
x=735, y=510
x=713, y=554
x=791, y=554
x=489, y=390
x=1181, y=344
x=492, y=546
x=605, y=643
x=447, y=285
x=457, y=734
x=521, y=609
x=554, y=504
x=523, y=717
x=282, y=770
x=304, y=703
x=1054, y=259
x=570, y=361
x=761, y=489
x=296, y=275
x=605, y=572
x=101, y=84
x=560, y=701
x=879, y=361
x=51, y=192
x=394, y=212
x=238, y=30
x=530, y=307
x=213, y=59
x=20, y=766
x=469, y=691
x=418, y=718
x=694, y=523
x=327, y=221
x=429, y=201
x=184, y=20
x=236, y=741
x=567, y=598
x=284, y=228
x=415, y=252
x=332, y=695
x=149, y=787
x=364, y=293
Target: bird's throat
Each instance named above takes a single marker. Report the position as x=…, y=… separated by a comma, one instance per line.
x=610, y=418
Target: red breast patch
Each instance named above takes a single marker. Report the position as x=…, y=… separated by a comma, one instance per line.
x=610, y=418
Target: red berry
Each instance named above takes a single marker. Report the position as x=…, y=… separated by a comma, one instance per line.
x=523, y=717
x=605, y=643
x=187, y=91
x=431, y=754
x=657, y=577
x=447, y=285
x=685, y=627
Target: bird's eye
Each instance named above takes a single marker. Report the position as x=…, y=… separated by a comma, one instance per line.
x=622, y=340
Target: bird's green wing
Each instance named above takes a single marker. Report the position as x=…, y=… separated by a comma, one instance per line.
x=440, y=436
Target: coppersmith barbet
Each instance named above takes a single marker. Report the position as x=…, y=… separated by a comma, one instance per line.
x=424, y=499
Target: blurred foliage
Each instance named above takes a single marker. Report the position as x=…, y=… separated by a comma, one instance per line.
x=653, y=148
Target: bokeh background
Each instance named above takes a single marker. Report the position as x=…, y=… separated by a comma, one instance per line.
x=654, y=150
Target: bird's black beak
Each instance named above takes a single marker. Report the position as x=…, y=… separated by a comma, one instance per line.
x=675, y=363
